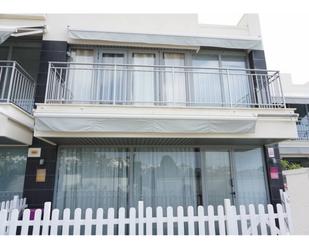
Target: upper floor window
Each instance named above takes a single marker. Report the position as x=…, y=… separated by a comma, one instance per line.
x=157, y=77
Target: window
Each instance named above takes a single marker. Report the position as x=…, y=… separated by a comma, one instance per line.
x=98, y=176
x=12, y=171
x=131, y=76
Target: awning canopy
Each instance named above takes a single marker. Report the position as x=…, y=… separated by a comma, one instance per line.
x=17, y=31
x=193, y=42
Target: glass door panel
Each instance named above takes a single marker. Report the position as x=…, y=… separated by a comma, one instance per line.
x=250, y=178
x=12, y=171
x=236, y=82
x=143, y=78
x=91, y=177
x=216, y=175
x=206, y=89
x=164, y=177
x=174, y=84
x=81, y=84
x=112, y=79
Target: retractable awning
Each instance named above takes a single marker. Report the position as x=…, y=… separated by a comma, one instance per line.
x=193, y=42
x=17, y=31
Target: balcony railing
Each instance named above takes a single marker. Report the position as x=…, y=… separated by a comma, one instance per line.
x=16, y=85
x=131, y=84
x=303, y=131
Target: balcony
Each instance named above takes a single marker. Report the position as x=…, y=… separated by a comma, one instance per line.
x=16, y=86
x=96, y=101
x=16, y=103
x=303, y=131
x=154, y=85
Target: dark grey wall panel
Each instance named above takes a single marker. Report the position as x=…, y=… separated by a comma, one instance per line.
x=50, y=51
x=273, y=163
x=39, y=192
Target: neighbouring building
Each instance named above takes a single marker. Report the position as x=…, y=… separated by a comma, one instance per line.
x=297, y=97
x=104, y=110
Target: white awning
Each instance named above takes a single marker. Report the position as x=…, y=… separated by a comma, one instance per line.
x=17, y=31
x=193, y=42
x=5, y=33
x=59, y=123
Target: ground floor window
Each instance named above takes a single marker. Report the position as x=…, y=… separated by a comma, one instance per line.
x=99, y=176
x=12, y=171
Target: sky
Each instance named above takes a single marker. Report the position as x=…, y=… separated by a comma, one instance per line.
x=284, y=23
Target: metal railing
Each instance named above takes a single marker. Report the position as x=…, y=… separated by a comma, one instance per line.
x=132, y=84
x=303, y=131
x=16, y=85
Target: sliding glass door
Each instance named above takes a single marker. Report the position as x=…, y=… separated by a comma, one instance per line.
x=112, y=78
x=81, y=86
x=216, y=171
x=236, y=81
x=164, y=177
x=143, y=78
x=207, y=86
x=91, y=177
x=98, y=176
x=174, y=81
x=250, y=180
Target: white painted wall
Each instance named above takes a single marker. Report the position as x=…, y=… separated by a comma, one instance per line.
x=169, y=24
x=298, y=191
x=16, y=124
x=290, y=89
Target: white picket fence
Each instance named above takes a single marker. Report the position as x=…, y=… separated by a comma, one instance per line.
x=227, y=220
x=15, y=203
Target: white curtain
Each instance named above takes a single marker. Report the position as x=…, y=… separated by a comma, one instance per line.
x=250, y=177
x=112, y=80
x=12, y=171
x=174, y=85
x=80, y=86
x=164, y=177
x=96, y=176
x=216, y=177
x=91, y=177
x=101, y=177
x=143, y=82
x=206, y=89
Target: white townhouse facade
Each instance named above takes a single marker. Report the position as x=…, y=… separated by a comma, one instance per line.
x=130, y=107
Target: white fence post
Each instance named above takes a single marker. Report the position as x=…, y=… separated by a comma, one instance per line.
x=3, y=221
x=287, y=209
x=230, y=218
x=46, y=218
x=140, y=218
x=229, y=222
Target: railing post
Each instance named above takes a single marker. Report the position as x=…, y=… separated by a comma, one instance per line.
x=11, y=81
x=173, y=85
x=281, y=90
x=114, y=84
x=228, y=86
x=47, y=82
